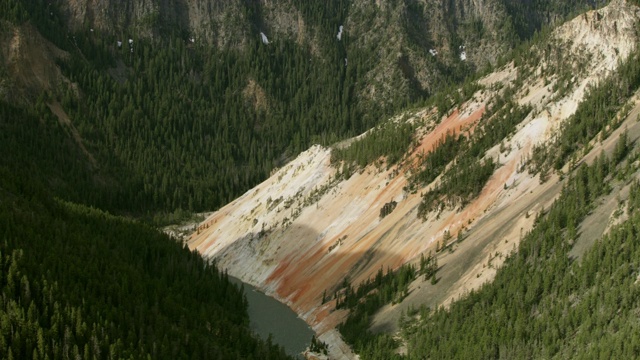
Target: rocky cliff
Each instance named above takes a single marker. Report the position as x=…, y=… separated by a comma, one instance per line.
x=412, y=47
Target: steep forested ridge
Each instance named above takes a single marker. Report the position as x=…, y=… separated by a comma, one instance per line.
x=179, y=125
x=176, y=122
x=78, y=282
x=543, y=303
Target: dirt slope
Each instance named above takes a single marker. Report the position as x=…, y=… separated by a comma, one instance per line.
x=29, y=62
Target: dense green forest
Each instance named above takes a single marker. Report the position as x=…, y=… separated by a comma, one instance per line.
x=78, y=282
x=196, y=127
x=387, y=143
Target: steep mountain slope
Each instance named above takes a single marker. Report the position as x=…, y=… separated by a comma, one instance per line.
x=28, y=62
x=183, y=105
x=312, y=225
x=418, y=44
x=78, y=282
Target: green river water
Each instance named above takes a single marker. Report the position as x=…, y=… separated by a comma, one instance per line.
x=269, y=316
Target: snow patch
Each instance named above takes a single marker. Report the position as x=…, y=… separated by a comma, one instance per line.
x=264, y=38
x=339, y=36
x=433, y=52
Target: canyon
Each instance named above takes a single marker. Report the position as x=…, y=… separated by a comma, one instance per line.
x=302, y=232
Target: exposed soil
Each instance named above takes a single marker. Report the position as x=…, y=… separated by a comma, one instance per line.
x=30, y=59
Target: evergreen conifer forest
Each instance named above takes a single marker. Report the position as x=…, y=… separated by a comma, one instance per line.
x=144, y=126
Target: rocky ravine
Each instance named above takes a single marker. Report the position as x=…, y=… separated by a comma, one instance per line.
x=302, y=231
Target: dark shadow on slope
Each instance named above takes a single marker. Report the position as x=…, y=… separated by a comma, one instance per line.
x=303, y=278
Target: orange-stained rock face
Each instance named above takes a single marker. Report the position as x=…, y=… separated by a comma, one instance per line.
x=309, y=248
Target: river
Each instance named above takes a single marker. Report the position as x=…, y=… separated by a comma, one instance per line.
x=269, y=316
